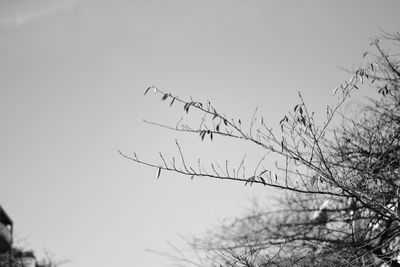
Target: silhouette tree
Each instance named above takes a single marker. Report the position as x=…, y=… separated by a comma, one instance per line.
x=341, y=177
x=21, y=257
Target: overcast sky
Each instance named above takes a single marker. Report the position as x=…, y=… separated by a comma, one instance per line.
x=72, y=76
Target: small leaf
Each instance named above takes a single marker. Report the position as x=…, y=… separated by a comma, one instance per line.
x=225, y=122
x=303, y=121
x=165, y=96
x=328, y=112
x=145, y=92
x=284, y=119
x=211, y=136
x=217, y=128
x=240, y=122
x=334, y=91
x=187, y=106
x=295, y=108
x=202, y=134
x=262, y=180
x=172, y=101
x=158, y=172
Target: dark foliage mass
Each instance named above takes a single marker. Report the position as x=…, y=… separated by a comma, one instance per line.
x=23, y=258
x=341, y=177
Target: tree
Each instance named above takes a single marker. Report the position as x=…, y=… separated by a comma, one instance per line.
x=341, y=177
x=25, y=258
x=22, y=257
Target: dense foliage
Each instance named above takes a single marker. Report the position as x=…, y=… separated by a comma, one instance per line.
x=23, y=258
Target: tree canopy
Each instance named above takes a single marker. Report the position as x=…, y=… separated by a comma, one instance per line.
x=341, y=176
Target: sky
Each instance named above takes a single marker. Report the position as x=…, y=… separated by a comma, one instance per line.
x=72, y=77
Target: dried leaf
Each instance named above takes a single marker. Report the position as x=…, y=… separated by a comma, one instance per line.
x=202, y=134
x=284, y=119
x=172, y=101
x=158, y=172
x=187, y=106
x=145, y=92
x=334, y=91
x=165, y=96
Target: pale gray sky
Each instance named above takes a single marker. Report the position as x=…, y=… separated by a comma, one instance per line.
x=72, y=76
